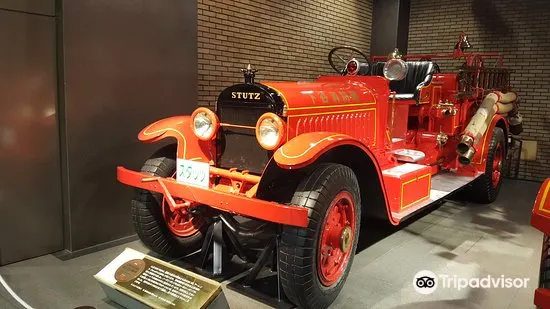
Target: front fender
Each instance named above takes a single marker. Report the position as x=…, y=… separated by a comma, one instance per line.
x=179, y=127
x=305, y=148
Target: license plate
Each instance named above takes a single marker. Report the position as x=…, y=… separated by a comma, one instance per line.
x=193, y=173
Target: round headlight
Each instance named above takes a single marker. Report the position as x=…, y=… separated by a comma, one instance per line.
x=205, y=123
x=269, y=131
x=395, y=69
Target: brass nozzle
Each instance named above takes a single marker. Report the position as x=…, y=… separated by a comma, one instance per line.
x=466, y=143
x=466, y=158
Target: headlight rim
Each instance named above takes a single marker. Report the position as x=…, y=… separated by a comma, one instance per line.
x=213, y=118
x=397, y=61
x=280, y=125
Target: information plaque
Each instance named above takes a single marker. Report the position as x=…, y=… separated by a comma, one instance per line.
x=135, y=280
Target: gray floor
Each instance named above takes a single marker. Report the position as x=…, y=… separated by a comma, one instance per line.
x=465, y=240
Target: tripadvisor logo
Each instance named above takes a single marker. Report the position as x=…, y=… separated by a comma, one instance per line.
x=426, y=282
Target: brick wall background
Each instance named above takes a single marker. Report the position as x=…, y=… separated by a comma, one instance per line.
x=284, y=39
x=519, y=29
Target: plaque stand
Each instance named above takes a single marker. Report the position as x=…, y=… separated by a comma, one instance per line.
x=138, y=281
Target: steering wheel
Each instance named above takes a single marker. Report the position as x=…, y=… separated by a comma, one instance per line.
x=344, y=55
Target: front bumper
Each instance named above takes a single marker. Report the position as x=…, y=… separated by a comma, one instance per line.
x=229, y=202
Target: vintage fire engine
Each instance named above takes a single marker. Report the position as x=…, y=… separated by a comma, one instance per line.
x=386, y=137
x=540, y=219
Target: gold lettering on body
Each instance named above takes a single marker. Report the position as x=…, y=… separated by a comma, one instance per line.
x=345, y=97
x=335, y=97
x=324, y=97
x=354, y=96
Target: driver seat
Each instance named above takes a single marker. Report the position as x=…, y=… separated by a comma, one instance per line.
x=419, y=74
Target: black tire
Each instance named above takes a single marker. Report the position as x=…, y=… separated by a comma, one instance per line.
x=483, y=190
x=146, y=211
x=298, y=253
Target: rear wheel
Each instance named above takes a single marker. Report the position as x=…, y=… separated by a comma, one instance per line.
x=169, y=233
x=315, y=261
x=486, y=187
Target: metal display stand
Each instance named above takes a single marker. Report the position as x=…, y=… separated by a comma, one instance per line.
x=263, y=283
x=216, y=260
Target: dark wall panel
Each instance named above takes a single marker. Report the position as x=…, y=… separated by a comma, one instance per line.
x=126, y=63
x=390, y=26
x=30, y=189
x=44, y=7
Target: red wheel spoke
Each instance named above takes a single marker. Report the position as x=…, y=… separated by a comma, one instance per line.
x=334, y=261
x=497, y=165
x=344, y=220
x=335, y=238
x=330, y=263
x=180, y=222
x=324, y=255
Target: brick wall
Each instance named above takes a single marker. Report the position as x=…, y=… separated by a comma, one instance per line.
x=520, y=30
x=284, y=39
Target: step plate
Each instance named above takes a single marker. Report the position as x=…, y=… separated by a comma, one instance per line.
x=443, y=184
x=409, y=155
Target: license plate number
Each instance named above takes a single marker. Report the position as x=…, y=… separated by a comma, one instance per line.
x=193, y=173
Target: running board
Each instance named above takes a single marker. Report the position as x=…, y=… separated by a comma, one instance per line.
x=443, y=184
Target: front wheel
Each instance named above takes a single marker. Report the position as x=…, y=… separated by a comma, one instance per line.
x=169, y=233
x=486, y=187
x=314, y=262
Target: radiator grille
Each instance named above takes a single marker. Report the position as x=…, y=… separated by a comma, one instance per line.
x=238, y=147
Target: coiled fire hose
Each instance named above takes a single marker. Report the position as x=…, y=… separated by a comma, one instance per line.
x=495, y=102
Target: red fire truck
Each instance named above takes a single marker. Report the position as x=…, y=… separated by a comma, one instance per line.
x=386, y=137
x=540, y=219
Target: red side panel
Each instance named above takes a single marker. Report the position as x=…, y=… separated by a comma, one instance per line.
x=542, y=298
x=540, y=218
x=407, y=184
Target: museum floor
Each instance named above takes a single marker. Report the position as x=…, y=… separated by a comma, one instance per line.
x=455, y=239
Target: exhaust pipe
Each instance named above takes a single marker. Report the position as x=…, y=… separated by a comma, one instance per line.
x=493, y=103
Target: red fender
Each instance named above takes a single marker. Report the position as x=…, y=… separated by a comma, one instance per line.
x=540, y=218
x=179, y=127
x=306, y=148
x=483, y=146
